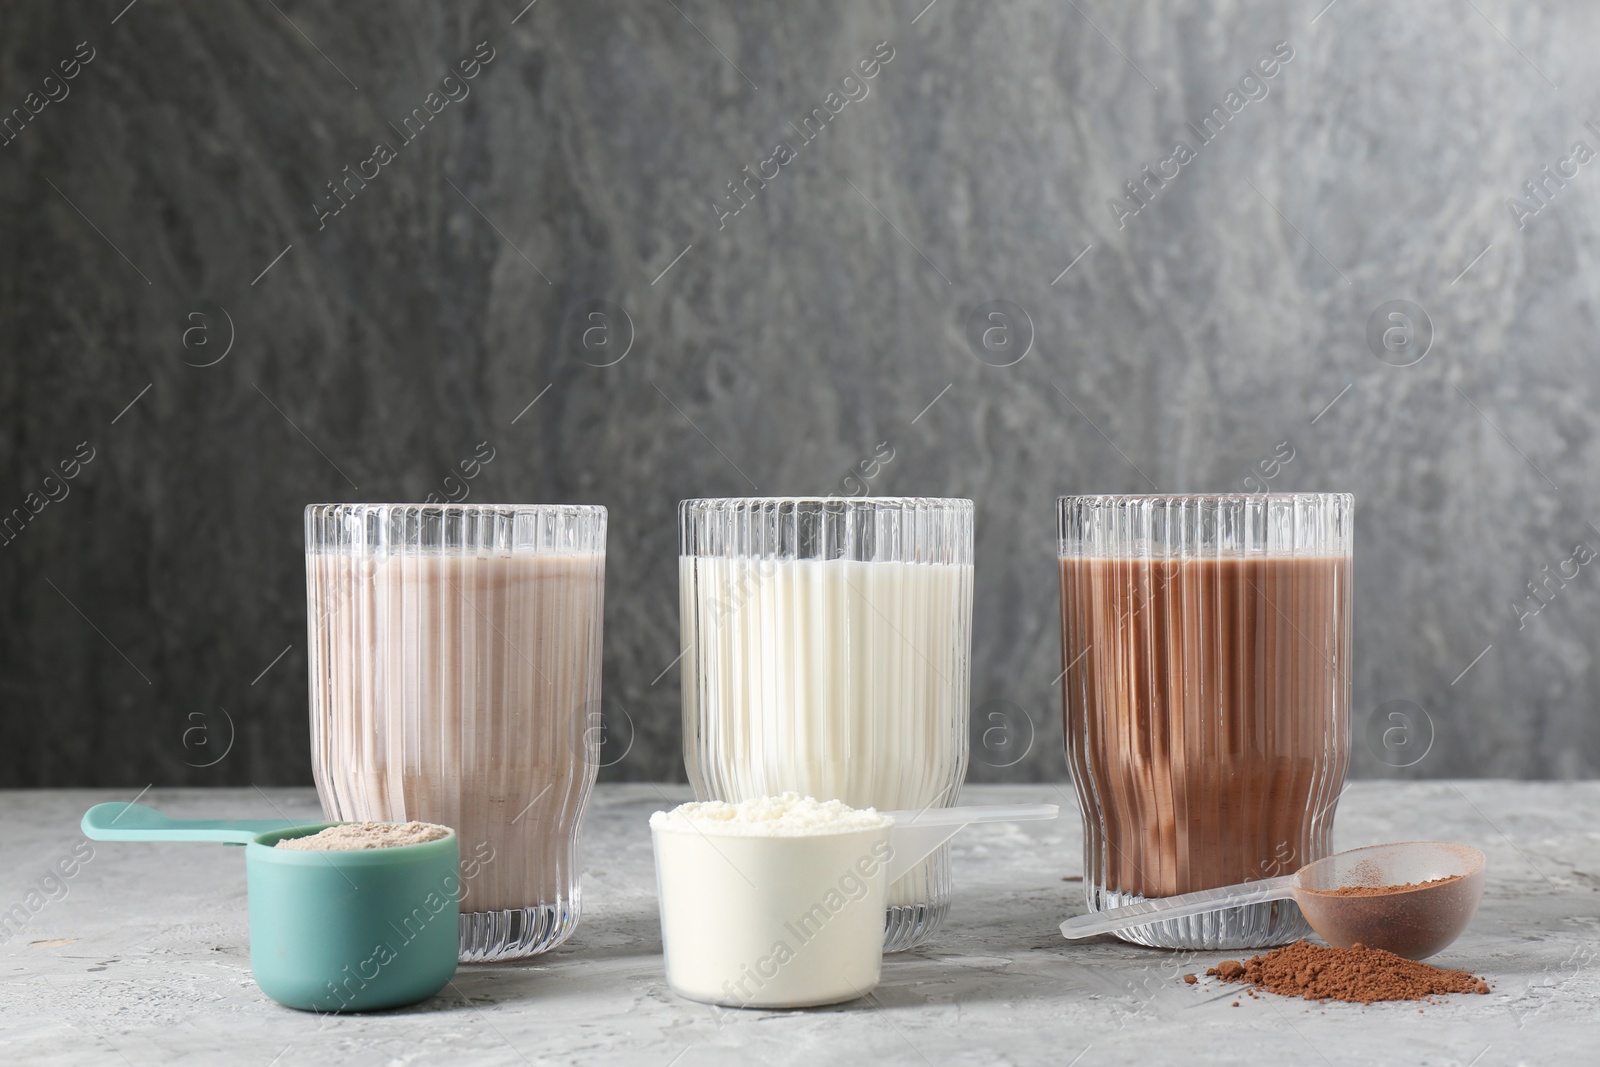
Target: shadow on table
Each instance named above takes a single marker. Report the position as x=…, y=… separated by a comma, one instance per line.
x=985, y=961
x=612, y=948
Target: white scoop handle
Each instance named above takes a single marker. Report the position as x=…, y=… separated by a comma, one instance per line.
x=915, y=834
x=1178, y=907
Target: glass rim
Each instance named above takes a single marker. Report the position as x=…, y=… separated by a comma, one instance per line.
x=595, y=509
x=942, y=501
x=1202, y=498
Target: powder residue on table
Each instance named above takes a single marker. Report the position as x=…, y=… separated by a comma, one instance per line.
x=1356, y=975
x=354, y=836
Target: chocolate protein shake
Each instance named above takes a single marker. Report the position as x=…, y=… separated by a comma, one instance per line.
x=1207, y=724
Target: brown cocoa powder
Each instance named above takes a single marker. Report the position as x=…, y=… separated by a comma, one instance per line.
x=1356, y=975
x=1413, y=922
x=1386, y=890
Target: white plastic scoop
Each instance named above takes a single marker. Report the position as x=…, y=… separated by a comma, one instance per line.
x=772, y=920
x=915, y=834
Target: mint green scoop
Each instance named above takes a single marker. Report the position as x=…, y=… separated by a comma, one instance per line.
x=329, y=930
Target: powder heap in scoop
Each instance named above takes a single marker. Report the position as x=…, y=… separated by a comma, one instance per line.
x=1387, y=890
x=353, y=836
x=788, y=815
x=1357, y=975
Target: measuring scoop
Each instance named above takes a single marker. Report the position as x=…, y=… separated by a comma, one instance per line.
x=1409, y=919
x=329, y=930
x=754, y=920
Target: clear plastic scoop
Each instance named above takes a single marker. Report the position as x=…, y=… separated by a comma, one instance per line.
x=1411, y=919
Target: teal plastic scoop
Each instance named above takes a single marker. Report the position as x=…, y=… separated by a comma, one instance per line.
x=329, y=930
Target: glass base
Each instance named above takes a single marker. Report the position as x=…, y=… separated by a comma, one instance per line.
x=909, y=925
x=513, y=934
x=1277, y=922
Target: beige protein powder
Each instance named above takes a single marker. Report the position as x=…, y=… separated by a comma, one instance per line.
x=353, y=836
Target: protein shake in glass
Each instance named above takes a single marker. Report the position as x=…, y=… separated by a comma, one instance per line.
x=455, y=675
x=828, y=647
x=1206, y=641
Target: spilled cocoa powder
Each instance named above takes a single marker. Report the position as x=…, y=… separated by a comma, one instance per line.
x=1356, y=975
x=1386, y=890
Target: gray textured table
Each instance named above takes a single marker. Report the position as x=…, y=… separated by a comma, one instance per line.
x=142, y=957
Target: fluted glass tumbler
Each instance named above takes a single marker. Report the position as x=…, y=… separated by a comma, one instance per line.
x=1206, y=646
x=828, y=647
x=455, y=679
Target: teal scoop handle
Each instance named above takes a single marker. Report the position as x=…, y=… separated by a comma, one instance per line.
x=135, y=822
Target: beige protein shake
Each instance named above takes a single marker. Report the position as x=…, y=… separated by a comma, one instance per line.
x=455, y=660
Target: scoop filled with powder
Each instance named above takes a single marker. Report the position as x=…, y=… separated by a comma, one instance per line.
x=343, y=917
x=1412, y=898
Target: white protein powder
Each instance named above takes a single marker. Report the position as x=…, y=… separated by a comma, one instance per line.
x=789, y=815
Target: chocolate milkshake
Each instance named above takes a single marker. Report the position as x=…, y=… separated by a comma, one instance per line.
x=1207, y=720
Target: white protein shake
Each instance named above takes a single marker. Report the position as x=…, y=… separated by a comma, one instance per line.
x=832, y=678
x=456, y=688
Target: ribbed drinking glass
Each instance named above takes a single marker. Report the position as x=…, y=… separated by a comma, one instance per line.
x=455, y=679
x=828, y=653
x=1206, y=646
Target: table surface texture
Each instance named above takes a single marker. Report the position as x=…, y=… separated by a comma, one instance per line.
x=142, y=956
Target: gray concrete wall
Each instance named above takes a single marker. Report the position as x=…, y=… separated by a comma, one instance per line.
x=181, y=302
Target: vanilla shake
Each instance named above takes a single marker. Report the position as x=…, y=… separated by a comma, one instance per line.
x=841, y=679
